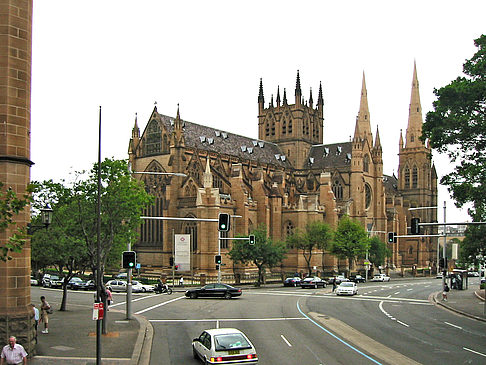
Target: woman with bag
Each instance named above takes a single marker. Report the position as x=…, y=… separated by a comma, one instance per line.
x=45, y=310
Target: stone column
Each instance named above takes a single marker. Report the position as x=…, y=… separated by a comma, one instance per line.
x=15, y=83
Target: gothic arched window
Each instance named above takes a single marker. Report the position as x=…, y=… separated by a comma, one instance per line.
x=366, y=163
x=414, y=177
x=284, y=127
x=337, y=189
x=191, y=228
x=368, y=195
x=407, y=178
x=152, y=143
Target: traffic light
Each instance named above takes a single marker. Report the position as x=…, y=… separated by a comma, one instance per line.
x=395, y=239
x=217, y=259
x=415, y=228
x=129, y=259
x=171, y=261
x=176, y=267
x=251, y=239
x=223, y=222
x=391, y=237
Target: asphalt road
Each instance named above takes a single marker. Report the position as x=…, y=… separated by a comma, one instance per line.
x=386, y=323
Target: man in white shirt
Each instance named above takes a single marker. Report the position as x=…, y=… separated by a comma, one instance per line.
x=13, y=353
x=36, y=318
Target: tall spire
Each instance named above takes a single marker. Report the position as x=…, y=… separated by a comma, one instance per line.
x=261, y=99
x=415, y=121
x=377, y=139
x=208, y=176
x=320, y=99
x=298, y=91
x=136, y=130
x=364, y=113
x=311, y=101
x=278, y=96
x=285, y=97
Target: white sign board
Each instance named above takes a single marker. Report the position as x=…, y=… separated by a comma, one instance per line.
x=183, y=251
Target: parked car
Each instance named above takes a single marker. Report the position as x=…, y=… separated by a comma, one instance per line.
x=357, y=279
x=295, y=281
x=347, y=288
x=122, y=276
x=75, y=283
x=45, y=280
x=138, y=287
x=55, y=282
x=439, y=275
x=338, y=279
x=380, y=277
x=116, y=285
x=34, y=281
x=87, y=285
x=213, y=291
x=473, y=274
x=224, y=346
x=313, y=282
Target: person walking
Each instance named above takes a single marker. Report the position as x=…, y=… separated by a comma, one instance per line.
x=45, y=309
x=181, y=281
x=13, y=353
x=334, y=284
x=444, y=292
x=109, y=299
x=36, y=318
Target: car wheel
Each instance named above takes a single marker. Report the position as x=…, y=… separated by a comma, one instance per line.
x=144, y=290
x=227, y=295
x=193, y=295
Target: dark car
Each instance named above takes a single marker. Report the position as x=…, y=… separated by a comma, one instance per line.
x=357, y=279
x=214, y=291
x=313, y=282
x=75, y=283
x=295, y=281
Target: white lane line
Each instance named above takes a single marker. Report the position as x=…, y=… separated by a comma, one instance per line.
x=475, y=352
x=389, y=296
x=453, y=325
x=390, y=316
x=287, y=342
x=410, y=289
x=133, y=300
x=396, y=293
x=403, y=324
x=159, y=305
x=225, y=319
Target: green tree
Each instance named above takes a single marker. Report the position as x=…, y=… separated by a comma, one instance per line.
x=378, y=252
x=350, y=241
x=10, y=206
x=265, y=253
x=474, y=244
x=70, y=244
x=317, y=235
x=457, y=126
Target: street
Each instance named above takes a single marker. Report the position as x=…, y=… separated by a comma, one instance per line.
x=386, y=323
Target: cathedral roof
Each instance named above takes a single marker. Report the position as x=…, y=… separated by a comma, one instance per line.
x=325, y=156
x=204, y=138
x=390, y=183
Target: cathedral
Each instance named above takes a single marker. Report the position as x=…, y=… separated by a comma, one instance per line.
x=283, y=180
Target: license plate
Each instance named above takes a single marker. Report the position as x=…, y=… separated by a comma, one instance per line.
x=233, y=352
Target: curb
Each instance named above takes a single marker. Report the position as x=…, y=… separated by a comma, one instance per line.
x=143, y=346
x=439, y=302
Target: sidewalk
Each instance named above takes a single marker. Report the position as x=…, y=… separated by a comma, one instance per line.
x=72, y=339
x=468, y=302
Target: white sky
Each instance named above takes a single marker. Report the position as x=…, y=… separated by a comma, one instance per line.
x=209, y=56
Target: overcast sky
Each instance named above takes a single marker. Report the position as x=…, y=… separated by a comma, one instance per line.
x=209, y=56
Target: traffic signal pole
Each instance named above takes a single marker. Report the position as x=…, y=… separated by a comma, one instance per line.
x=219, y=253
x=129, y=289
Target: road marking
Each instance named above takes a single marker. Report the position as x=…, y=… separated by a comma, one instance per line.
x=475, y=352
x=287, y=342
x=396, y=293
x=402, y=323
x=410, y=289
x=226, y=320
x=133, y=300
x=158, y=305
x=336, y=337
x=453, y=325
x=390, y=316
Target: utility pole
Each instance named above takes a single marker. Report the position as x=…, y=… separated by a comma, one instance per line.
x=129, y=288
x=444, y=272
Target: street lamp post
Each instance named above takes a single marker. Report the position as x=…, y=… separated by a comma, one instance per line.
x=46, y=220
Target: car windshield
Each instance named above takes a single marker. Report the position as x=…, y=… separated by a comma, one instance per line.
x=54, y=277
x=75, y=280
x=347, y=284
x=231, y=341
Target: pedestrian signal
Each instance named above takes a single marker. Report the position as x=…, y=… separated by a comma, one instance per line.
x=251, y=239
x=129, y=259
x=217, y=259
x=223, y=222
x=391, y=237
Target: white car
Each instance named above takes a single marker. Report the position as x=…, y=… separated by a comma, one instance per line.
x=347, y=288
x=117, y=285
x=224, y=346
x=33, y=281
x=138, y=287
x=380, y=277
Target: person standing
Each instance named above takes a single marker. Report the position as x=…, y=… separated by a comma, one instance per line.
x=181, y=281
x=334, y=284
x=444, y=292
x=109, y=298
x=13, y=353
x=45, y=307
x=36, y=318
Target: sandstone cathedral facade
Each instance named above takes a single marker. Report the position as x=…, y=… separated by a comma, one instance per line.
x=284, y=179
